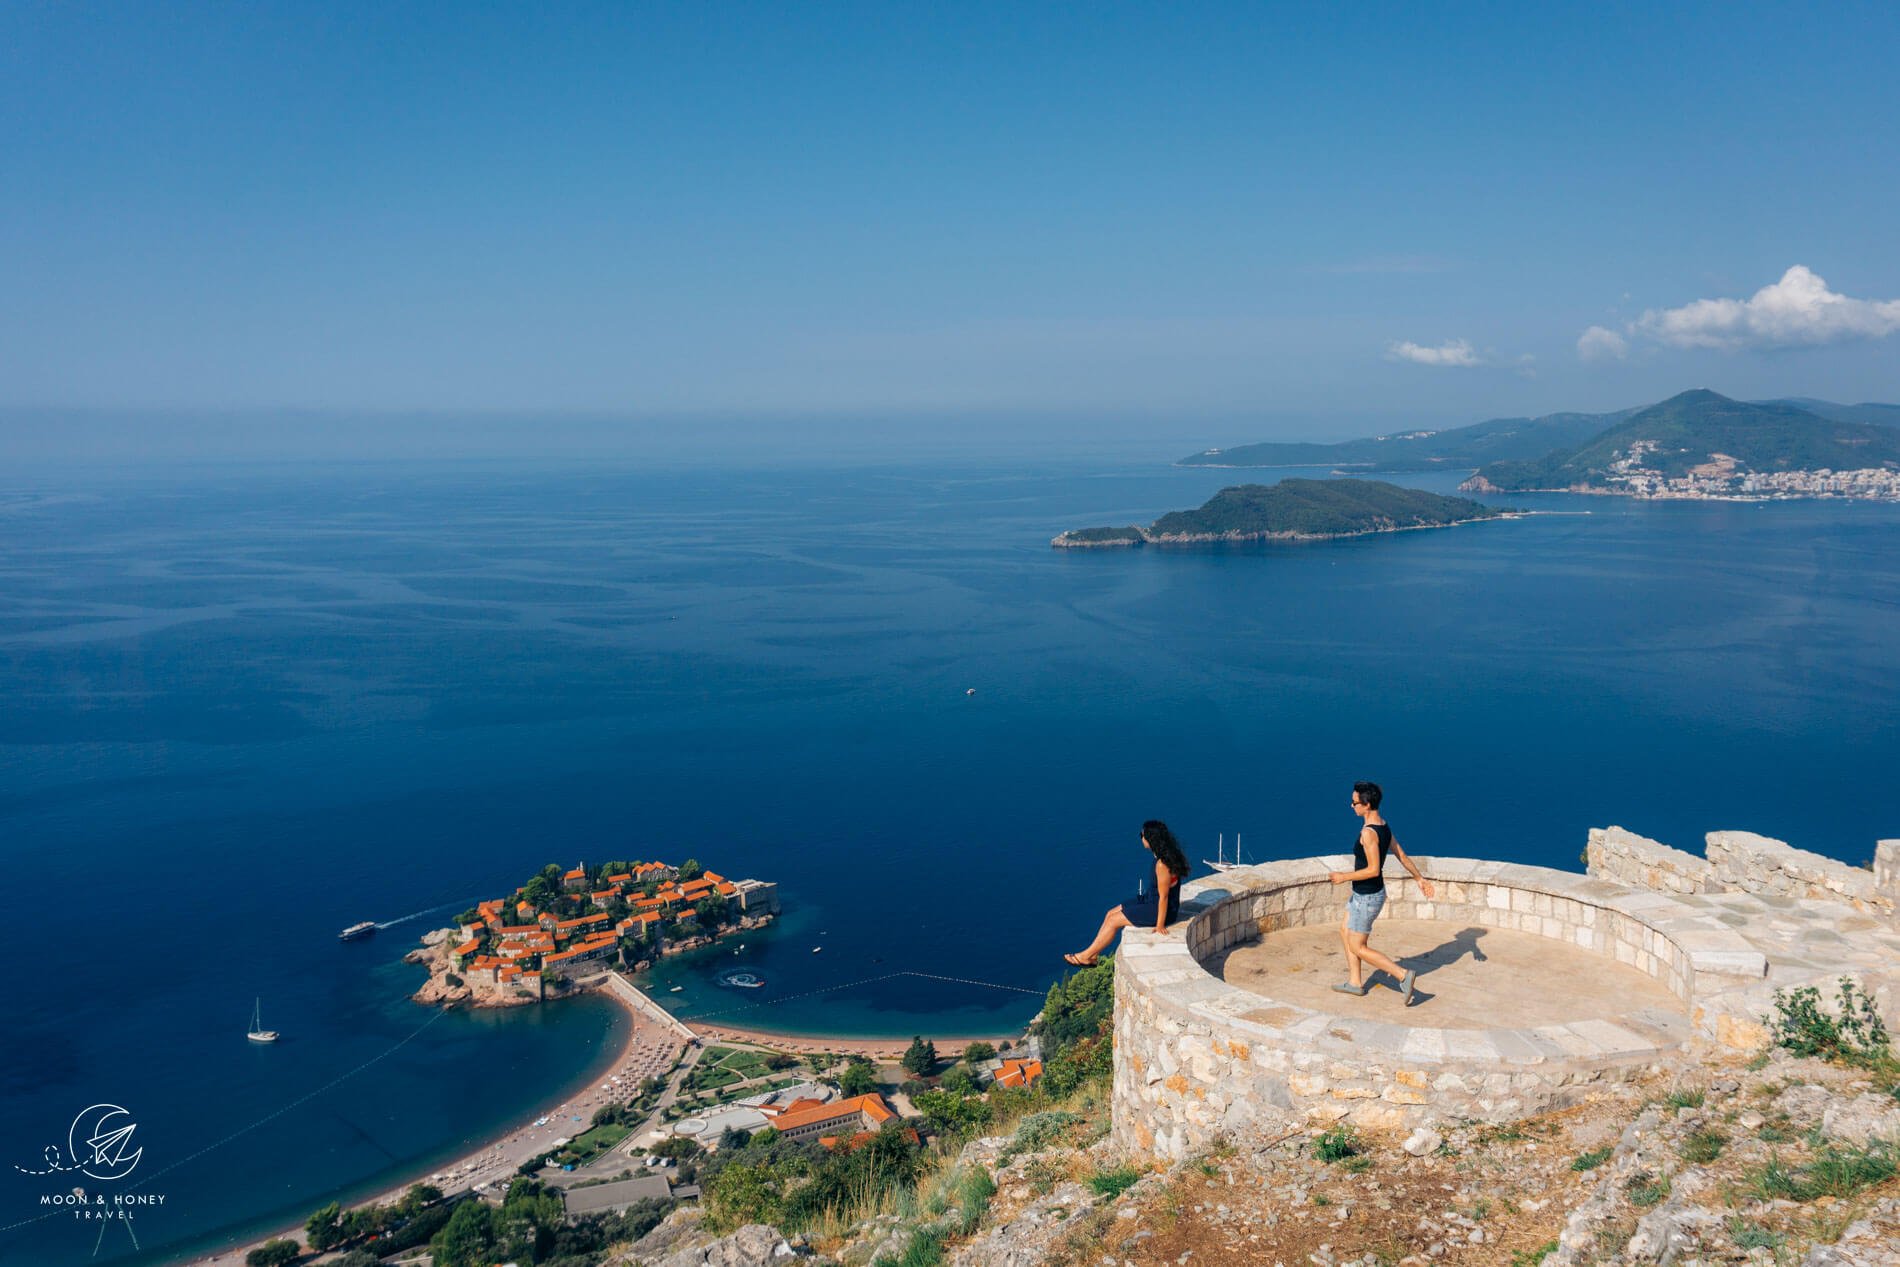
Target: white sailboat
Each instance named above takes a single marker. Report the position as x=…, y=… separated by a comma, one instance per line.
x=258, y=1033
x=1219, y=861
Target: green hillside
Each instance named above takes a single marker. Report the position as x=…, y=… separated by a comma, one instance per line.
x=1458, y=448
x=1698, y=429
x=1879, y=415
x=1295, y=509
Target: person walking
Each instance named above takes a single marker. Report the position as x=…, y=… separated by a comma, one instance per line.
x=1156, y=904
x=1367, y=878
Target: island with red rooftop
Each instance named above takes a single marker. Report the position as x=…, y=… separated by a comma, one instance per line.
x=562, y=928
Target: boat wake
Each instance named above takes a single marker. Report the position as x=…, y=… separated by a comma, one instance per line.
x=404, y=919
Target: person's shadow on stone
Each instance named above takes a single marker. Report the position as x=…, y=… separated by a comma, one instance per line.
x=1443, y=955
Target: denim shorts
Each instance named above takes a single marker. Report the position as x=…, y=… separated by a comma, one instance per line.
x=1362, y=909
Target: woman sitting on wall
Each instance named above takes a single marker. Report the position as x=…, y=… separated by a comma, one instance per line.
x=1156, y=903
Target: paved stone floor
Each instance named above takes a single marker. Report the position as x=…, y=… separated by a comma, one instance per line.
x=1469, y=978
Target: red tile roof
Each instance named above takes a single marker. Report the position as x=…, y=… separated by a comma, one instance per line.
x=1018, y=1073
x=871, y=1106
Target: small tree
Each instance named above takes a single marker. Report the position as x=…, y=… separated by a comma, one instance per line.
x=274, y=1253
x=978, y=1052
x=710, y=911
x=921, y=1056
x=324, y=1228
x=690, y=870
x=857, y=1080
x=465, y=1241
x=960, y=1080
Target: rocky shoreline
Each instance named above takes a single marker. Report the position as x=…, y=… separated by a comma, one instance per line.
x=433, y=956
x=1069, y=541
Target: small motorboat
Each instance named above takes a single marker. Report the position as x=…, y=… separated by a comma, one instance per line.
x=816, y=949
x=676, y=989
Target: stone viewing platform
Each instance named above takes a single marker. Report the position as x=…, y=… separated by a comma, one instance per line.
x=1535, y=985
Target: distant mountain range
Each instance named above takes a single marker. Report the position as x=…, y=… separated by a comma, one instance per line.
x=1497, y=440
x=1702, y=443
x=1293, y=510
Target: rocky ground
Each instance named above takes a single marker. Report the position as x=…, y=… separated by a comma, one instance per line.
x=1781, y=1161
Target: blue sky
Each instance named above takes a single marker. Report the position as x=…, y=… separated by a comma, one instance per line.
x=1233, y=221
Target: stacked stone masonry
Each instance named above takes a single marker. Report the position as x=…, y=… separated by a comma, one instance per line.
x=1197, y=1059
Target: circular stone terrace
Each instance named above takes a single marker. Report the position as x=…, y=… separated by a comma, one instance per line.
x=1534, y=985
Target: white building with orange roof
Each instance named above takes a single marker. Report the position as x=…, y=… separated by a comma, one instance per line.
x=846, y=1117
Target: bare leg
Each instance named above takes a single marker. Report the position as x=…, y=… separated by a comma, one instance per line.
x=1363, y=953
x=1353, y=972
x=1112, y=924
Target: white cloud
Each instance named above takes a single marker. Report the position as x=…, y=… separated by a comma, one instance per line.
x=1454, y=352
x=1797, y=311
x=1599, y=343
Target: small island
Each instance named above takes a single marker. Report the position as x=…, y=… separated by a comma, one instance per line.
x=1293, y=510
x=534, y=944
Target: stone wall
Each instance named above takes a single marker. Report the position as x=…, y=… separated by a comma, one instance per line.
x=1625, y=857
x=1743, y=862
x=1196, y=1058
x=1758, y=864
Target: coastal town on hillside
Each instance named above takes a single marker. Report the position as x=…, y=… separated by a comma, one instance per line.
x=527, y=946
x=1721, y=479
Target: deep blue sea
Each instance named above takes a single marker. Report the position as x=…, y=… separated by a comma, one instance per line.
x=244, y=706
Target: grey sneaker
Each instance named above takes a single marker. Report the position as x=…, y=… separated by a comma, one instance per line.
x=1409, y=984
x=1345, y=987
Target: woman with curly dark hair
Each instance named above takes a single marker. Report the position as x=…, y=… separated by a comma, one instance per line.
x=1155, y=905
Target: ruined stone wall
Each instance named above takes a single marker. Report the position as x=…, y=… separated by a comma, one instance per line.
x=1625, y=857
x=1759, y=864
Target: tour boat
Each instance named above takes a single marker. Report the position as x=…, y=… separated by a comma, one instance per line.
x=1219, y=862
x=258, y=1033
x=354, y=931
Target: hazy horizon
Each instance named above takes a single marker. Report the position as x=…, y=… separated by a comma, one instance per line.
x=71, y=435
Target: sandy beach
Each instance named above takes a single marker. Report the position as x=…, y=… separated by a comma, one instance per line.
x=649, y=1051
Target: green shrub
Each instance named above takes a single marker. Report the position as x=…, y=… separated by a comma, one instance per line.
x=1037, y=1132
x=1748, y=1235
x=1645, y=1190
x=974, y=1191
x=925, y=1249
x=1832, y=1172
x=1703, y=1146
x=1336, y=1143
x=1853, y=1034
x=1532, y=1257
x=1685, y=1098
x=1592, y=1159
x=1112, y=1183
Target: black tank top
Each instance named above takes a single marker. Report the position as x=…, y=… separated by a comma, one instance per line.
x=1377, y=883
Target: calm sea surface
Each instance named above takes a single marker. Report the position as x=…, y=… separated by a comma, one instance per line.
x=241, y=708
